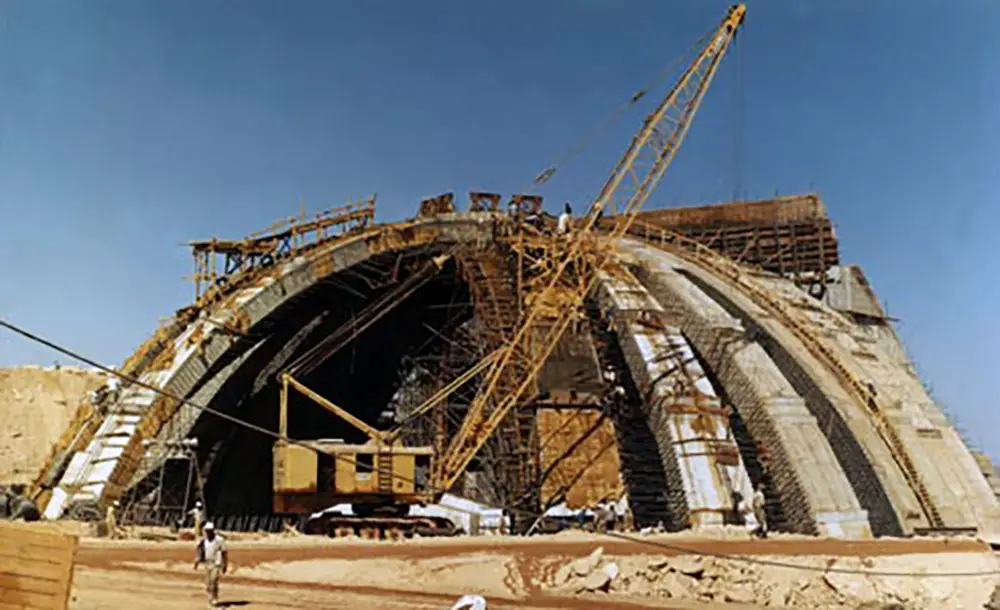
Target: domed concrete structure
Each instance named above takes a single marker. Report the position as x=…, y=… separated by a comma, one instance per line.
x=744, y=355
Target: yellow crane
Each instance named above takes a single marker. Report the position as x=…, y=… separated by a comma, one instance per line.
x=382, y=472
x=625, y=191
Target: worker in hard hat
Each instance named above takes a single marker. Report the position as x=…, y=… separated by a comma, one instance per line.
x=111, y=521
x=198, y=515
x=212, y=552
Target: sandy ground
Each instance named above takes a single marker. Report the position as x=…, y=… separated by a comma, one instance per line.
x=36, y=406
x=525, y=573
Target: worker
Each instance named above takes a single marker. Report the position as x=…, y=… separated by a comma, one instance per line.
x=617, y=515
x=604, y=516
x=534, y=216
x=213, y=553
x=759, y=512
x=565, y=220
x=198, y=515
x=629, y=518
x=111, y=521
x=114, y=384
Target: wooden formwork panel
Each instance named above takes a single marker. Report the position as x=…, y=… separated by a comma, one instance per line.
x=793, y=208
x=579, y=451
x=36, y=566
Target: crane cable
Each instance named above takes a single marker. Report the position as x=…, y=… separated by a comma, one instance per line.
x=738, y=120
x=677, y=548
x=594, y=132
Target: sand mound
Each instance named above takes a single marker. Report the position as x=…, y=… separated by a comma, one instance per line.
x=36, y=405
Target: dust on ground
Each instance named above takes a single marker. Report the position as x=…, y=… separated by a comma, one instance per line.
x=581, y=571
x=36, y=406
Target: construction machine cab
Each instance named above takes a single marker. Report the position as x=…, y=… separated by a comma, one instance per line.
x=311, y=476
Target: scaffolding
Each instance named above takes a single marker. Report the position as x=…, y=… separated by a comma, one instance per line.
x=164, y=498
x=218, y=261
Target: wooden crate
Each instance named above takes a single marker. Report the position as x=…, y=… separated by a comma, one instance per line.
x=36, y=566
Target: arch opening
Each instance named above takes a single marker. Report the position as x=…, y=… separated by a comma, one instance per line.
x=234, y=462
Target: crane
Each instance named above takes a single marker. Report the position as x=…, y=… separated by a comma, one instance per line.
x=379, y=477
x=630, y=184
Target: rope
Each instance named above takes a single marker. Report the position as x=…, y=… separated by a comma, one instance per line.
x=592, y=134
x=738, y=121
x=678, y=548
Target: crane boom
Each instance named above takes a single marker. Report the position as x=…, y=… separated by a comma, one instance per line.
x=632, y=181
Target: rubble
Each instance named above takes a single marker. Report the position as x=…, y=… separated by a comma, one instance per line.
x=829, y=583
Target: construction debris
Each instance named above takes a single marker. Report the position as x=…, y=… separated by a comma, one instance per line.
x=831, y=583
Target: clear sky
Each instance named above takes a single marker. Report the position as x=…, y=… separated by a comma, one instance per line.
x=130, y=127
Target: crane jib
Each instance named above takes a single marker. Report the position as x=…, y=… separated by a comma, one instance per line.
x=633, y=179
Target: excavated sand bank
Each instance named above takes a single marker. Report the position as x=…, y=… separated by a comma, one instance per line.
x=36, y=405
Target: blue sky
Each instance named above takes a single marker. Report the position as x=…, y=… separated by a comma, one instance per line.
x=130, y=127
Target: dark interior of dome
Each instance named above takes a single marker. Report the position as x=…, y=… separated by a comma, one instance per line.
x=361, y=377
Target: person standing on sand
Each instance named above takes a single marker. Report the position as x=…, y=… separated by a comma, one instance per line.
x=111, y=521
x=213, y=553
x=565, y=222
x=198, y=514
x=758, y=505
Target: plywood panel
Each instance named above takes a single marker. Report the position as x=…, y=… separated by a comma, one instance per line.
x=579, y=453
x=36, y=566
x=794, y=208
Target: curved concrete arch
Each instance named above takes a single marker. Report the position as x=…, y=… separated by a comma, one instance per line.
x=814, y=490
x=194, y=359
x=962, y=495
x=106, y=467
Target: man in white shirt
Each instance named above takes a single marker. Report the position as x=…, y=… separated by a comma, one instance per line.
x=565, y=219
x=758, y=505
x=198, y=515
x=213, y=553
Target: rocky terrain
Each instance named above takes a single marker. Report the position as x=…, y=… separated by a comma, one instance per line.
x=784, y=582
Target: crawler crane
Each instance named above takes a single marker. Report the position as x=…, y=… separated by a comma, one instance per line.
x=312, y=475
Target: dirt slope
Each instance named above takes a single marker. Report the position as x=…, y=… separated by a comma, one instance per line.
x=36, y=405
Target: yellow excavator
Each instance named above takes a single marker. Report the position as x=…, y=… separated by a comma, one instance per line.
x=381, y=478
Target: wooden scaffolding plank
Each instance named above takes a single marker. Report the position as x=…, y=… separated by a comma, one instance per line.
x=36, y=566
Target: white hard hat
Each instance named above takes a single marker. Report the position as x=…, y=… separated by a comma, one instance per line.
x=210, y=526
x=198, y=503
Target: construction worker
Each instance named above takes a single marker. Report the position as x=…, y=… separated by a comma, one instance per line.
x=759, y=512
x=113, y=387
x=198, y=515
x=565, y=220
x=111, y=521
x=212, y=552
x=605, y=517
